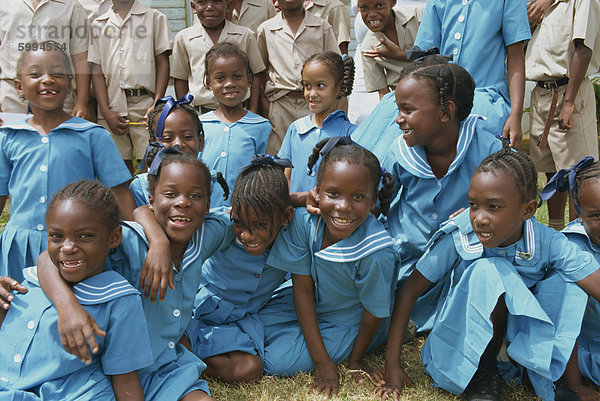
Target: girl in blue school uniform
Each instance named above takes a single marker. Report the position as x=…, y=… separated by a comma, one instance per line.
x=83, y=227
x=171, y=123
x=343, y=272
x=326, y=78
x=232, y=133
x=506, y=276
x=44, y=153
x=236, y=282
x=179, y=204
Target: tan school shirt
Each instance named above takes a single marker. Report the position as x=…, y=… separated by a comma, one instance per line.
x=191, y=46
x=95, y=8
x=284, y=53
x=380, y=72
x=126, y=50
x=253, y=13
x=63, y=21
x=550, y=50
x=336, y=13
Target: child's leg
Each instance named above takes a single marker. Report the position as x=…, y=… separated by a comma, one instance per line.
x=572, y=378
x=499, y=315
x=197, y=395
x=234, y=367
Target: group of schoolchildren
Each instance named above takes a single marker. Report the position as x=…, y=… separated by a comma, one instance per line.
x=253, y=263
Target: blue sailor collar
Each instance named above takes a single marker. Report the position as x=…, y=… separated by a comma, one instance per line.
x=414, y=160
x=367, y=239
x=575, y=227
x=306, y=124
x=248, y=118
x=73, y=123
x=192, y=252
x=100, y=288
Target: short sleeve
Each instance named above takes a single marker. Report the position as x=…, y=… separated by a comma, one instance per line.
x=163, y=39
x=430, y=29
x=261, y=41
x=79, y=30
x=569, y=260
x=5, y=167
x=291, y=251
x=271, y=11
x=127, y=259
x=285, y=152
x=127, y=345
x=339, y=18
x=218, y=234
x=439, y=259
x=94, y=44
x=376, y=281
x=585, y=23
x=263, y=137
x=329, y=40
x=374, y=74
x=109, y=167
x=515, y=23
x=180, y=61
x=256, y=62
x=138, y=189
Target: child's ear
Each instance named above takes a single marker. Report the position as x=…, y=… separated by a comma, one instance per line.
x=451, y=106
x=288, y=213
x=19, y=87
x=115, y=237
x=150, y=202
x=529, y=209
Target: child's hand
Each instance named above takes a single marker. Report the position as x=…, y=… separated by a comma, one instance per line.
x=157, y=272
x=327, y=379
x=536, y=10
x=1, y=120
x=80, y=110
x=8, y=285
x=118, y=125
x=147, y=115
x=565, y=118
x=512, y=131
x=312, y=202
x=358, y=370
x=76, y=329
x=385, y=49
x=395, y=381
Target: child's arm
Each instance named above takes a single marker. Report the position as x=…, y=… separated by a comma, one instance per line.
x=162, y=79
x=515, y=64
x=579, y=64
x=124, y=200
x=368, y=327
x=182, y=87
x=127, y=387
x=75, y=325
x=326, y=373
x=2, y=197
x=157, y=271
x=264, y=103
x=255, y=93
x=591, y=285
x=82, y=81
x=395, y=377
x=117, y=124
x=536, y=11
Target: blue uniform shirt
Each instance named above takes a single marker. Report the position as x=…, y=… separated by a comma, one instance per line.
x=139, y=189
x=300, y=140
x=229, y=147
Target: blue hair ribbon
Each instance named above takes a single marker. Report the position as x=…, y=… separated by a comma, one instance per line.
x=160, y=155
x=383, y=171
x=416, y=53
x=344, y=57
x=265, y=159
x=503, y=138
x=565, y=179
x=169, y=103
x=333, y=141
x=151, y=145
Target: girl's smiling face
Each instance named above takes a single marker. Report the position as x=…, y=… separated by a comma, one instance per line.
x=181, y=200
x=180, y=129
x=257, y=232
x=346, y=196
x=228, y=80
x=320, y=88
x=589, y=203
x=496, y=209
x=79, y=240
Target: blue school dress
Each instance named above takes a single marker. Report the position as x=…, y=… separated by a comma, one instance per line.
x=352, y=275
x=536, y=275
x=139, y=189
x=229, y=147
x=476, y=33
x=589, y=343
x=300, y=140
x=234, y=287
x=175, y=371
x=35, y=365
x=34, y=167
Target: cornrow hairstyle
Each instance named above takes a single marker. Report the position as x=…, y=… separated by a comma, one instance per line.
x=46, y=46
x=517, y=164
x=448, y=81
x=153, y=117
x=356, y=154
x=591, y=172
x=225, y=49
x=341, y=68
x=262, y=188
x=94, y=195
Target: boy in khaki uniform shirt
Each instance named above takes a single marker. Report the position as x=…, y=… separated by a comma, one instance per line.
x=338, y=16
x=25, y=21
x=563, y=51
x=192, y=44
x=285, y=42
x=129, y=53
x=382, y=59
x=251, y=13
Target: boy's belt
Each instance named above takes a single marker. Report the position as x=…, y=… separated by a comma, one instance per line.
x=550, y=85
x=295, y=94
x=136, y=92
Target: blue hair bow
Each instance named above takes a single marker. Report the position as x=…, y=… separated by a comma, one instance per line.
x=169, y=103
x=333, y=141
x=503, y=138
x=160, y=155
x=565, y=179
x=416, y=53
x=265, y=159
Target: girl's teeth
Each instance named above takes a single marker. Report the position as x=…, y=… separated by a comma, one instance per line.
x=485, y=235
x=180, y=219
x=342, y=222
x=72, y=264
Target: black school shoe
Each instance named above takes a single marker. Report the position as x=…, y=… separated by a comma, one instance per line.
x=484, y=386
x=563, y=393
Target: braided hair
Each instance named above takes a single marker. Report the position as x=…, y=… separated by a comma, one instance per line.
x=94, y=195
x=341, y=68
x=591, y=172
x=262, y=188
x=447, y=81
x=355, y=154
x=224, y=50
x=153, y=118
x=46, y=46
x=515, y=163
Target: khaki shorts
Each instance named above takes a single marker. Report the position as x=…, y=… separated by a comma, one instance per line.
x=565, y=148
